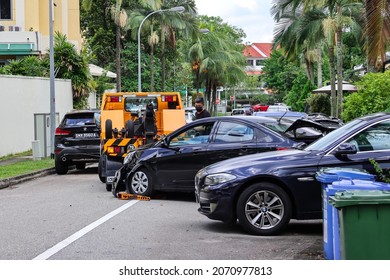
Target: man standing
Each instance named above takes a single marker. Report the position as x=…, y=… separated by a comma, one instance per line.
x=201, y=112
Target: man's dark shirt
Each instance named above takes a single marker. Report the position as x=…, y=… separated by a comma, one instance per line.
x=203, y=114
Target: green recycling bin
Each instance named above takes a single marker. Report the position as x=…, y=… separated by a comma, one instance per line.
x=364, y=221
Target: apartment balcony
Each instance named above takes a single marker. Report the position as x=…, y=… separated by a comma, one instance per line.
x=15, y=42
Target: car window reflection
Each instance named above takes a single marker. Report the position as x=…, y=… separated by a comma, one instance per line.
x=194, y=135
x=233, y=132
x=374, y=138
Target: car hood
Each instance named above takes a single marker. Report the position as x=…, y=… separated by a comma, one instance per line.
x=299, y=123
x=262, y=162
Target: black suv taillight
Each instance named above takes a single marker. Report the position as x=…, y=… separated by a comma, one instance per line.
x=60, y=132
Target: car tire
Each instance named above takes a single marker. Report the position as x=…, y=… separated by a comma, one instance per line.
x=100, y=169
x=129, y=129
x=108, y=132
x=80, y=166
x=264, y=209
x=61, y=167
x=141, y=183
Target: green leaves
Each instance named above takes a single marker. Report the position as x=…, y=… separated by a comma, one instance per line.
x=372, y=96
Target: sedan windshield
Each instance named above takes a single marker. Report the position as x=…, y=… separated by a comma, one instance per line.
x=323, y=142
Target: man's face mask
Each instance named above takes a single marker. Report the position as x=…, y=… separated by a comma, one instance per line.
x=199, y=108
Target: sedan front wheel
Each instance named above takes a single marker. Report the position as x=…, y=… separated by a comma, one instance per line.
x=264, y=209
x=141, y=183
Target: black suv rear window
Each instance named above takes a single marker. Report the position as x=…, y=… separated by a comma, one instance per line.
x=81, y=119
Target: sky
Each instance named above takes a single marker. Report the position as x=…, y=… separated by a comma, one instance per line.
x=253, y=16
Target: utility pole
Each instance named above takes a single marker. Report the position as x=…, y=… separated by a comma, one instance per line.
x=52, y=92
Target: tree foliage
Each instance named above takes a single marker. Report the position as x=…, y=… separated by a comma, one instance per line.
x=279, y=74
x=98, y=29
x=299, y=92
x=31, y=66
x=373, y=96
x=319, y=103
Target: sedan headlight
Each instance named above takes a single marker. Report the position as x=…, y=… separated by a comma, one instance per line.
x=128, y=157
x=219, y=178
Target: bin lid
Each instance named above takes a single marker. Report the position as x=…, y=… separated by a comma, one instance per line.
x=359, y=197
x=330, y=175
x=357, y=184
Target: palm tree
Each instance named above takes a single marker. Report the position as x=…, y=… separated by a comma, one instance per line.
x=135, y=19
x=71, y=65
x=377, y=32
x=309, y=23
x=299, y=29
x=216, y=59
x=169, y=22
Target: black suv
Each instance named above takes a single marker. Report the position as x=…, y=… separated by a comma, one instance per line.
x=77, y=140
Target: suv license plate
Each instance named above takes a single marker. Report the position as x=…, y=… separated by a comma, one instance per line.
x=85, y=135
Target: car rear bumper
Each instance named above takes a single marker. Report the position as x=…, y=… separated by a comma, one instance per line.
x=91, y=155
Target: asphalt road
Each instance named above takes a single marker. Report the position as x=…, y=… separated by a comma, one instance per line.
x=73, y=217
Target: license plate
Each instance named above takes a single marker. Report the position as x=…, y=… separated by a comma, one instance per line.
x=85, y=135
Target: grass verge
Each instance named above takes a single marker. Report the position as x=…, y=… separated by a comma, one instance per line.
x=25, y=167
x=26, y=153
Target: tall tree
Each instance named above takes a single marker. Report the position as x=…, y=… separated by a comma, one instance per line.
x=119, y=15
x=309, y=23
x=171, y=22
x=216, y=58
x=98, y=31
x=167, y=23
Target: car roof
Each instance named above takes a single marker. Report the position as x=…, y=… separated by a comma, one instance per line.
x=280, y=114
x=374, y=116
x=253, y=119
x=83, y=111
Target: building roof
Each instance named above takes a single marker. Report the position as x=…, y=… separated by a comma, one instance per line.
x=98, y=71
x=258, y=50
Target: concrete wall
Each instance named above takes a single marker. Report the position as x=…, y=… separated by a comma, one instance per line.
x=21, y=98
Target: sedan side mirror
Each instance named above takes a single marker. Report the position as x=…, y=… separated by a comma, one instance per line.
x=165, y=142
x=346, y=149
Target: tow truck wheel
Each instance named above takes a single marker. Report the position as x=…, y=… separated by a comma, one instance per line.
x=141, y=183
x=61, y=166
x=100, y=169
x=108, y=133
x=129, y=129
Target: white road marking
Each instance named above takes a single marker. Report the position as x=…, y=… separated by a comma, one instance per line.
x=66, y=242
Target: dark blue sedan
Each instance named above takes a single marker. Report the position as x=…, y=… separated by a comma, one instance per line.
x=171, y=163
x=264, y=191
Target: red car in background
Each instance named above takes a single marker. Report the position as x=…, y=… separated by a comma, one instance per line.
x=260, y=107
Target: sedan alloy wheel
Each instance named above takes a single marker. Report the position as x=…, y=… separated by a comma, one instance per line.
x=264, y=209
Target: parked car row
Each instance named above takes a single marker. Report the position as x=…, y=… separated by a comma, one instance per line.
x=259, y=170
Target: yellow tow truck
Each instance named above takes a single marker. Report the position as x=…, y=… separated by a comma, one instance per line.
x=133, y=119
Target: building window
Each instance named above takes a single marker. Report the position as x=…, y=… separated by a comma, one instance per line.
x=259, y=62
x=5, y=9
x=249, y=62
